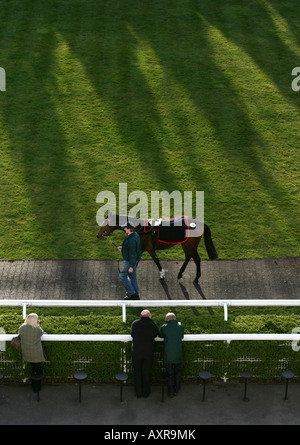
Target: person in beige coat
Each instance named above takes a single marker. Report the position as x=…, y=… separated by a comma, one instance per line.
x=32, y=349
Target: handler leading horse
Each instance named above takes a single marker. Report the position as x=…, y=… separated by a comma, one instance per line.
x=160, y=235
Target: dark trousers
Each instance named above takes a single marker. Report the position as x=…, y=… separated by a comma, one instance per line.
x=37, y=368
x=174, y=371
x=142, y=367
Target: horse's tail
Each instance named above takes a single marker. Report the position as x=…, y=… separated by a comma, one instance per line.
x=209, y=245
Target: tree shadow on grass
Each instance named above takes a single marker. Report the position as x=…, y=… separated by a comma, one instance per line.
x=151, y=75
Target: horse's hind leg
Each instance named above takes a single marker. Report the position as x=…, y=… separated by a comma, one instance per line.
x=197, y=260
x=190, y=251
x=156, y=261
x=182, y=269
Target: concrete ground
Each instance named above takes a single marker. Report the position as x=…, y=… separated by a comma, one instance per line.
x=59, y=405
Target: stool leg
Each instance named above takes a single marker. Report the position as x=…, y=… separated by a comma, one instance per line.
x=79, y=389
x=163, y=392
x=286, y=389
x=245, y=391
x=121, y=392
x=203, y=397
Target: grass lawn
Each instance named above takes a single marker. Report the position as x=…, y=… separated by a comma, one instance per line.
x=163, y=95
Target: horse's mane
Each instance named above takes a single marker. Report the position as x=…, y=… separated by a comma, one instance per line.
x=123, y=219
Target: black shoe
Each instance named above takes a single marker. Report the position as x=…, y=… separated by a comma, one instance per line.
x=132, y=297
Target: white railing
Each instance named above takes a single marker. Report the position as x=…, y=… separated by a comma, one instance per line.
x=188, y=337
x=294, y=337
x=147, y=303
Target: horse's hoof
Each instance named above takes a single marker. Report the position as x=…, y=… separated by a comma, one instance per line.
x=196, y=281
x=179, y=276
x=162, y=278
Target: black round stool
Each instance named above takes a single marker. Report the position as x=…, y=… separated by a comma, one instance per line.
x=80, y=377
x=163, y=378
x=121, y=377
x=204, y=375
x=287, y=375
x=37, y=377
x=246, y=375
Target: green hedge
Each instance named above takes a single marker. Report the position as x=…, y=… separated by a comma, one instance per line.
x=102, y=360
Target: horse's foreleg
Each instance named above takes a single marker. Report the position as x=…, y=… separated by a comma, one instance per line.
x=182, y=269
x=156, y=261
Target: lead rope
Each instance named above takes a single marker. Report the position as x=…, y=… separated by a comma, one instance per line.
x=114, y=244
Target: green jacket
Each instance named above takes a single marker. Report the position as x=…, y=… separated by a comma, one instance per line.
x=172, y=333
x=131, y=249
x=32, y=349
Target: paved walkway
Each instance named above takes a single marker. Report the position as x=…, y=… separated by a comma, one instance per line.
x=101, y=405
x=98, y=279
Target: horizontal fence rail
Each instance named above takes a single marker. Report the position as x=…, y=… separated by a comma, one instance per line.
x=147, y=303
x=226, y=365
x=187, y=337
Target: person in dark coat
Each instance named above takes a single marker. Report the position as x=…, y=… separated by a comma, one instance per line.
x=172, y=332
x=131, y=251
x=143, y=332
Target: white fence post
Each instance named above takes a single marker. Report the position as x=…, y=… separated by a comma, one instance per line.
x=24, y=310
x=124, y=312
x=225, y=311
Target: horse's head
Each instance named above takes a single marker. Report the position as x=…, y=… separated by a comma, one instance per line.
x=105, y=229
x=113, y=222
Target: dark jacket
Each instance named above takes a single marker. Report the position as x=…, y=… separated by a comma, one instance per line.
x=131, y=249
x=143, y=332
x=172, y=333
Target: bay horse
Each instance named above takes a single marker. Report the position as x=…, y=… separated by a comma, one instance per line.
x=163, y=234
